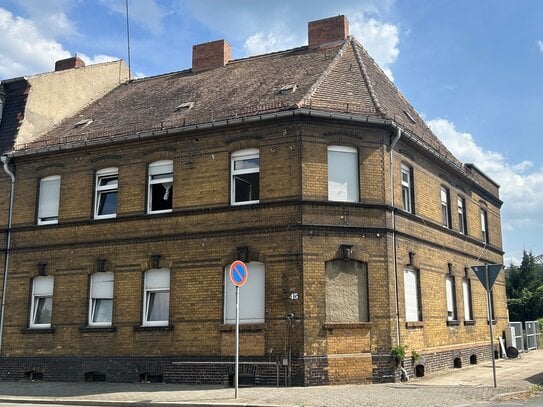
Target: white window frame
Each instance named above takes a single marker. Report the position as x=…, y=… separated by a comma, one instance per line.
x=252, y=296
x=101, y=289
x=348, y=193
x=407, y=191
x=462, y=218
x=42, y=289
x=105, y=189
x=484, y=225
x=468, y=307
x=164, y=177
x=445, y=207
x=241, y=155
x=450, y=290
x=150, y=289
x=49, y=190
x=412, y=295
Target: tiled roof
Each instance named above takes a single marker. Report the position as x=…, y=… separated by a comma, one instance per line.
x=340, y=77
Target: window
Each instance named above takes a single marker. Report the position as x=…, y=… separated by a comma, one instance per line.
x=156, y=304
x=346, y=291
x=462, y=224
x=407, y=189
x=412, y=295
x=42, y=302
x=245, y=177
x=105, y=201
x=252, y=296
x=451, y=297
x=49, y=200
x=484, y=226
x=160, y=187
x=445, y=207
x=101, y=299
x=468, y=310
x=343, y=174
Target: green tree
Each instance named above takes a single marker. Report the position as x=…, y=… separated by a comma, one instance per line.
x=524, y=286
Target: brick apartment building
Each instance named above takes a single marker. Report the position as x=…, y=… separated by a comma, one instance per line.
x=357, y=225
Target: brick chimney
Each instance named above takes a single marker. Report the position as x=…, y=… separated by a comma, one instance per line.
x=210, y=55
x=69, y=63
x=327, y=30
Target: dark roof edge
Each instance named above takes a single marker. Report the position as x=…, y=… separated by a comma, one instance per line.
x=474, y=167
x=365, y=119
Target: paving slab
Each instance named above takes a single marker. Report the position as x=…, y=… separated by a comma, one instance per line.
x=467, y=386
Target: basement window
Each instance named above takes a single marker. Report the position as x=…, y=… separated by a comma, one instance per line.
x=286, y=89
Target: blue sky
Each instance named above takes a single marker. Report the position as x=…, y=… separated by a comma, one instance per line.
x=473, y=69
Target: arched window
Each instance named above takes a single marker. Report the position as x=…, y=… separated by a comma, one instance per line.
x=160, y=192
x=252, y=297
x=101, y=299
x=105, y=200
x=49, y=200
x=343, y=177
x=42, y=302
x=245, y=184
x=156, y=301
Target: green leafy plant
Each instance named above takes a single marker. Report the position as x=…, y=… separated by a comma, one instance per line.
x=414, y=355
x=398, y=353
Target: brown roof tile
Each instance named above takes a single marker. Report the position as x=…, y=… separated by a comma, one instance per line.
x=337, y=78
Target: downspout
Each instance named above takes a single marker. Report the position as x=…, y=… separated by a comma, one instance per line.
x=5, y=161
x=394, y=243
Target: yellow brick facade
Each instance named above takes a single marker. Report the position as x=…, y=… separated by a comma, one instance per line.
x=294, y=230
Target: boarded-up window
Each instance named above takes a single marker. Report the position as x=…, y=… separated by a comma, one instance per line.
x=346, y=291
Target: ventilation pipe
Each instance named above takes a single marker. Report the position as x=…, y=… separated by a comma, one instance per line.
x=5, y=161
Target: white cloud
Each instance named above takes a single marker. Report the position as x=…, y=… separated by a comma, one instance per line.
x=540, y=45
x=262, y=43
x=147, y=13
x=380, y=40
x=50, y=17
x=24, y=49
x=522, y=191
x=97, y=59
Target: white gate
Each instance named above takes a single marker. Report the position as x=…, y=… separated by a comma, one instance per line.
x=531, y=335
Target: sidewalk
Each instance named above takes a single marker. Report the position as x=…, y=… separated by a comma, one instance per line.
x=459, y=387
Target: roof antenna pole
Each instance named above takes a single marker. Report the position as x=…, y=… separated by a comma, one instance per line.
x=128, y=41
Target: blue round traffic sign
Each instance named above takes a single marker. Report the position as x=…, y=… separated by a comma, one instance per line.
x=238, y=273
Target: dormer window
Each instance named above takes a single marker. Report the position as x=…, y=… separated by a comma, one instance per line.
x=185, y=107
x=286, y=89
x=83, y=123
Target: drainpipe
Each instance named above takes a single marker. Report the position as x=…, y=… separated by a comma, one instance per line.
x=5, y=161
x=394, y=244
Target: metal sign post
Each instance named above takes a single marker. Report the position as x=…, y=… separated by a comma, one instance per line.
x=238, y=276
x=487, y=274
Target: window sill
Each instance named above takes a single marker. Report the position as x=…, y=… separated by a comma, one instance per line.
x=453, y=322
x=97, y=329
x=414, y=324
x=38, y=330
x=469, y=323
x=245, y=203
x=330, y=326
x=161, y=328
x=242, y=327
